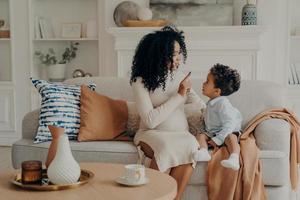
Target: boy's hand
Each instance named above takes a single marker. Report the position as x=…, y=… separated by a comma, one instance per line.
x=212, y=143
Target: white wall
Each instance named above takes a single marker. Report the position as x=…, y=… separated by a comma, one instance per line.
x=295, y=23
x=21, y=59
x=272, y=57
x=108, y=61
x=17, y=91
x=295, y=18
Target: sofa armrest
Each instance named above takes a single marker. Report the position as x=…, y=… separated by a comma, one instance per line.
x=30, y=124
x=273, y=134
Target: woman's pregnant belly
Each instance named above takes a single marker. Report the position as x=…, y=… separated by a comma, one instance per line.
x=175, y=122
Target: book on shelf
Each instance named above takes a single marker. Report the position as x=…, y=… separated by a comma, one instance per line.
x=37, y=28
x=294, y=75
x=291, y=76
x=297, y=70
x=43, y=28
x=49, y=28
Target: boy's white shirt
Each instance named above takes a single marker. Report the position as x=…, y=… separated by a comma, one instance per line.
x=221, y=119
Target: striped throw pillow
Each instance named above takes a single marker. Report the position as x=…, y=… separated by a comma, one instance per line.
x=60, y=107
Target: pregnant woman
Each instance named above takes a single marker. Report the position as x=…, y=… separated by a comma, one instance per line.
x=160, y=91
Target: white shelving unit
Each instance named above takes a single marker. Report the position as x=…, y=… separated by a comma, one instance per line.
x=58, y=12
x=99, y=55
x=5, y=46
x=235, y=45
x=294, y=36
x=293, y=91
x=7, y=85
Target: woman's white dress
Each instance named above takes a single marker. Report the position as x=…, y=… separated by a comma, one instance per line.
x=164, y=126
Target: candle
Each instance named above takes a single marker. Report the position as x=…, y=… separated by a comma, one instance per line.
x=31, y=172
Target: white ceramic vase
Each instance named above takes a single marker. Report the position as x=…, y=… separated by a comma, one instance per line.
x=57, y=72
x=63, y=169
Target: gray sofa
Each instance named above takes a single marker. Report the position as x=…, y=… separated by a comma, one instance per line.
x=253, y=97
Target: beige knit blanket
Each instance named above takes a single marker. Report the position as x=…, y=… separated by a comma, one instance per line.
x=246, y=184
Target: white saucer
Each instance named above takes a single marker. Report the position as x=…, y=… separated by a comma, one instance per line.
x=123, y=181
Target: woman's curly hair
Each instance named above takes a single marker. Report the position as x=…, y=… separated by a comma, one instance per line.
x=226, y=78
x=153, y=54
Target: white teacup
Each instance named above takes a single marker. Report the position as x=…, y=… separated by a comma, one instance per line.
x=134, y=172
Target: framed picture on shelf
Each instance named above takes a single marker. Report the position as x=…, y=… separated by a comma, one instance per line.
x=71, y=30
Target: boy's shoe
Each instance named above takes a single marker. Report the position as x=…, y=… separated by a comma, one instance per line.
x=201, y=155
x=232, y=162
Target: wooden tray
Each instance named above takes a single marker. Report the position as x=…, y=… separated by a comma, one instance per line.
x=85, y=177
x=144, y=23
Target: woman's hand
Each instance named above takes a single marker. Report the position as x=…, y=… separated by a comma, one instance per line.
x=184, y=86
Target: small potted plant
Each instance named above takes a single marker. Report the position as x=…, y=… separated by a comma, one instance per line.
x=57, y=68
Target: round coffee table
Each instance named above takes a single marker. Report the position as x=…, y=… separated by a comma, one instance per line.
x=102, y=187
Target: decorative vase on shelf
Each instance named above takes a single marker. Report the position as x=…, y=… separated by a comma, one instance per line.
x=249, y=14
x=57, y=72
x=63, y=169
x=144, y=13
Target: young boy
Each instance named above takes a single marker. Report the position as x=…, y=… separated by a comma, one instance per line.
x=222, y=120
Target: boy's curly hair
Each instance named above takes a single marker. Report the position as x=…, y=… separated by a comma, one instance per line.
x=226, y=78
x=152, y=55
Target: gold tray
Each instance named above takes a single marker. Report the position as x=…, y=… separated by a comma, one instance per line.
x=85, y=177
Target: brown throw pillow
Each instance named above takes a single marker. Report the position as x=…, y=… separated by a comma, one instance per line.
x=101, y=118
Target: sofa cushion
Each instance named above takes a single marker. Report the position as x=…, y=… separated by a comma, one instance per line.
x=193, y=111
x=259, y=95
x=275, y=165
x=194, y=114
x=114, y=87
x=271, y=132
x=256, y=96
x=99, y=151
x=253, y=97
x=60, y=107
x=102, y=118
x=275, y=169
